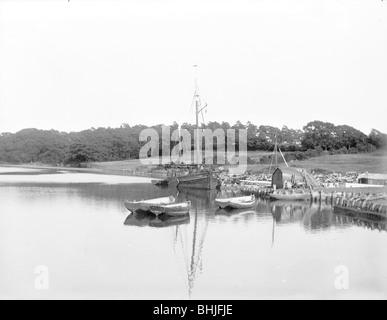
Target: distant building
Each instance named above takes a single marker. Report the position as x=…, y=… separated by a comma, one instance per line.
x=373, y=178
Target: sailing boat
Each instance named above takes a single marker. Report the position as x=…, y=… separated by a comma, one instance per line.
x=202, y=178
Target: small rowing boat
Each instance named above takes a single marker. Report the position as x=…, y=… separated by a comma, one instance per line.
x=236, y=203
x=144, y=205
x=290, y=195
x=173, y=210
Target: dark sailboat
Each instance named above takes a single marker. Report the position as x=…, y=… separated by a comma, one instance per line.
x=199, y=177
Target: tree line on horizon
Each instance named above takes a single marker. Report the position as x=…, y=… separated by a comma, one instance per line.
x=115, y=144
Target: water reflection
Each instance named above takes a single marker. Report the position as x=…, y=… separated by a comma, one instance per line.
x=145, y=219
x=317, y=216
x=189, y=236
x=223, y=254
x=361, y=222
x=313, y=216
x=190, y=232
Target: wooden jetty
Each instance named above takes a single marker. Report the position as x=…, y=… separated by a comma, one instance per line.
x=367, y=206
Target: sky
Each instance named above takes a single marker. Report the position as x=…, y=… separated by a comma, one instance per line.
x=75, y=65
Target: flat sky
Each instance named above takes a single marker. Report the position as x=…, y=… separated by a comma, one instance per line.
x=74, y=65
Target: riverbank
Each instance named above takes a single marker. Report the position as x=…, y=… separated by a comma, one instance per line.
x=63, y=175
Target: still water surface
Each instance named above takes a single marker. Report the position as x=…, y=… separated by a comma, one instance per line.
x=76, y=225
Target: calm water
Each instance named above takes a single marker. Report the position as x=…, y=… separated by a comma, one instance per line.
x=77, y=226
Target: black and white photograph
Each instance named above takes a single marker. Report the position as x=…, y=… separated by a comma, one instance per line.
x=182, y=152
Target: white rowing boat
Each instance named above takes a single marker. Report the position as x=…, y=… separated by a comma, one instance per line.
x=236, y=203
x=173, y=210
x=145, y=205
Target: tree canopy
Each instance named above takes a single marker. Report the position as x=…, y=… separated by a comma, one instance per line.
x=114, y=144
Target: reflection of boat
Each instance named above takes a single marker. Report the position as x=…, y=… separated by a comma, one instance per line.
x=189, y=242
x=160, y=183
x=230, y=212
x=145, y=204
x=145, y=219
x=174, y=210
x=294, y=195
x=236, y=203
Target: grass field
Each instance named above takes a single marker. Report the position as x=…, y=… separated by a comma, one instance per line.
x=372, y=162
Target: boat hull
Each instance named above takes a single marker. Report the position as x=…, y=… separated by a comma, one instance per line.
x=224, y=203
x=144, y=205
x=236, y=203
x=242, y=205
x=198, y=181
x=172, y=210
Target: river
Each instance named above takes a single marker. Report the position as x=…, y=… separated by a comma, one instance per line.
x=76, y=229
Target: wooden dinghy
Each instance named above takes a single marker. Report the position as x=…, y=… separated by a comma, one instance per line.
x=144, y=205
x=173, y=210
x=236, y=203
x=290, y=195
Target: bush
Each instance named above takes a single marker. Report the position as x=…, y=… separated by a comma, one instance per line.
x=353, y=151
x=343, y=150
x=319, y=150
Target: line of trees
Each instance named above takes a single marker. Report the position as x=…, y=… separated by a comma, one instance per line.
x=114, y=144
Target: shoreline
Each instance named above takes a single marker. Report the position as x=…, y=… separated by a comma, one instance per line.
x=50, y=175
x=94, y=170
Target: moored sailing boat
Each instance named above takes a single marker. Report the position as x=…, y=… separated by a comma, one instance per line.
x=202, y=178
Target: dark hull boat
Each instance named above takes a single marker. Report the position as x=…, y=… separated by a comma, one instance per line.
x=204, y=181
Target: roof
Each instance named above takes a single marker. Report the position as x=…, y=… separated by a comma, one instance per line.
x=373, y=176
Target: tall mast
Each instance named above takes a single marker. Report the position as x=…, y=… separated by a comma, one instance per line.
x=197, y=111
x=276, y=152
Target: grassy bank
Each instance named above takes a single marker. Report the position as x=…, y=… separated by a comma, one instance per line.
x=372, y=162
